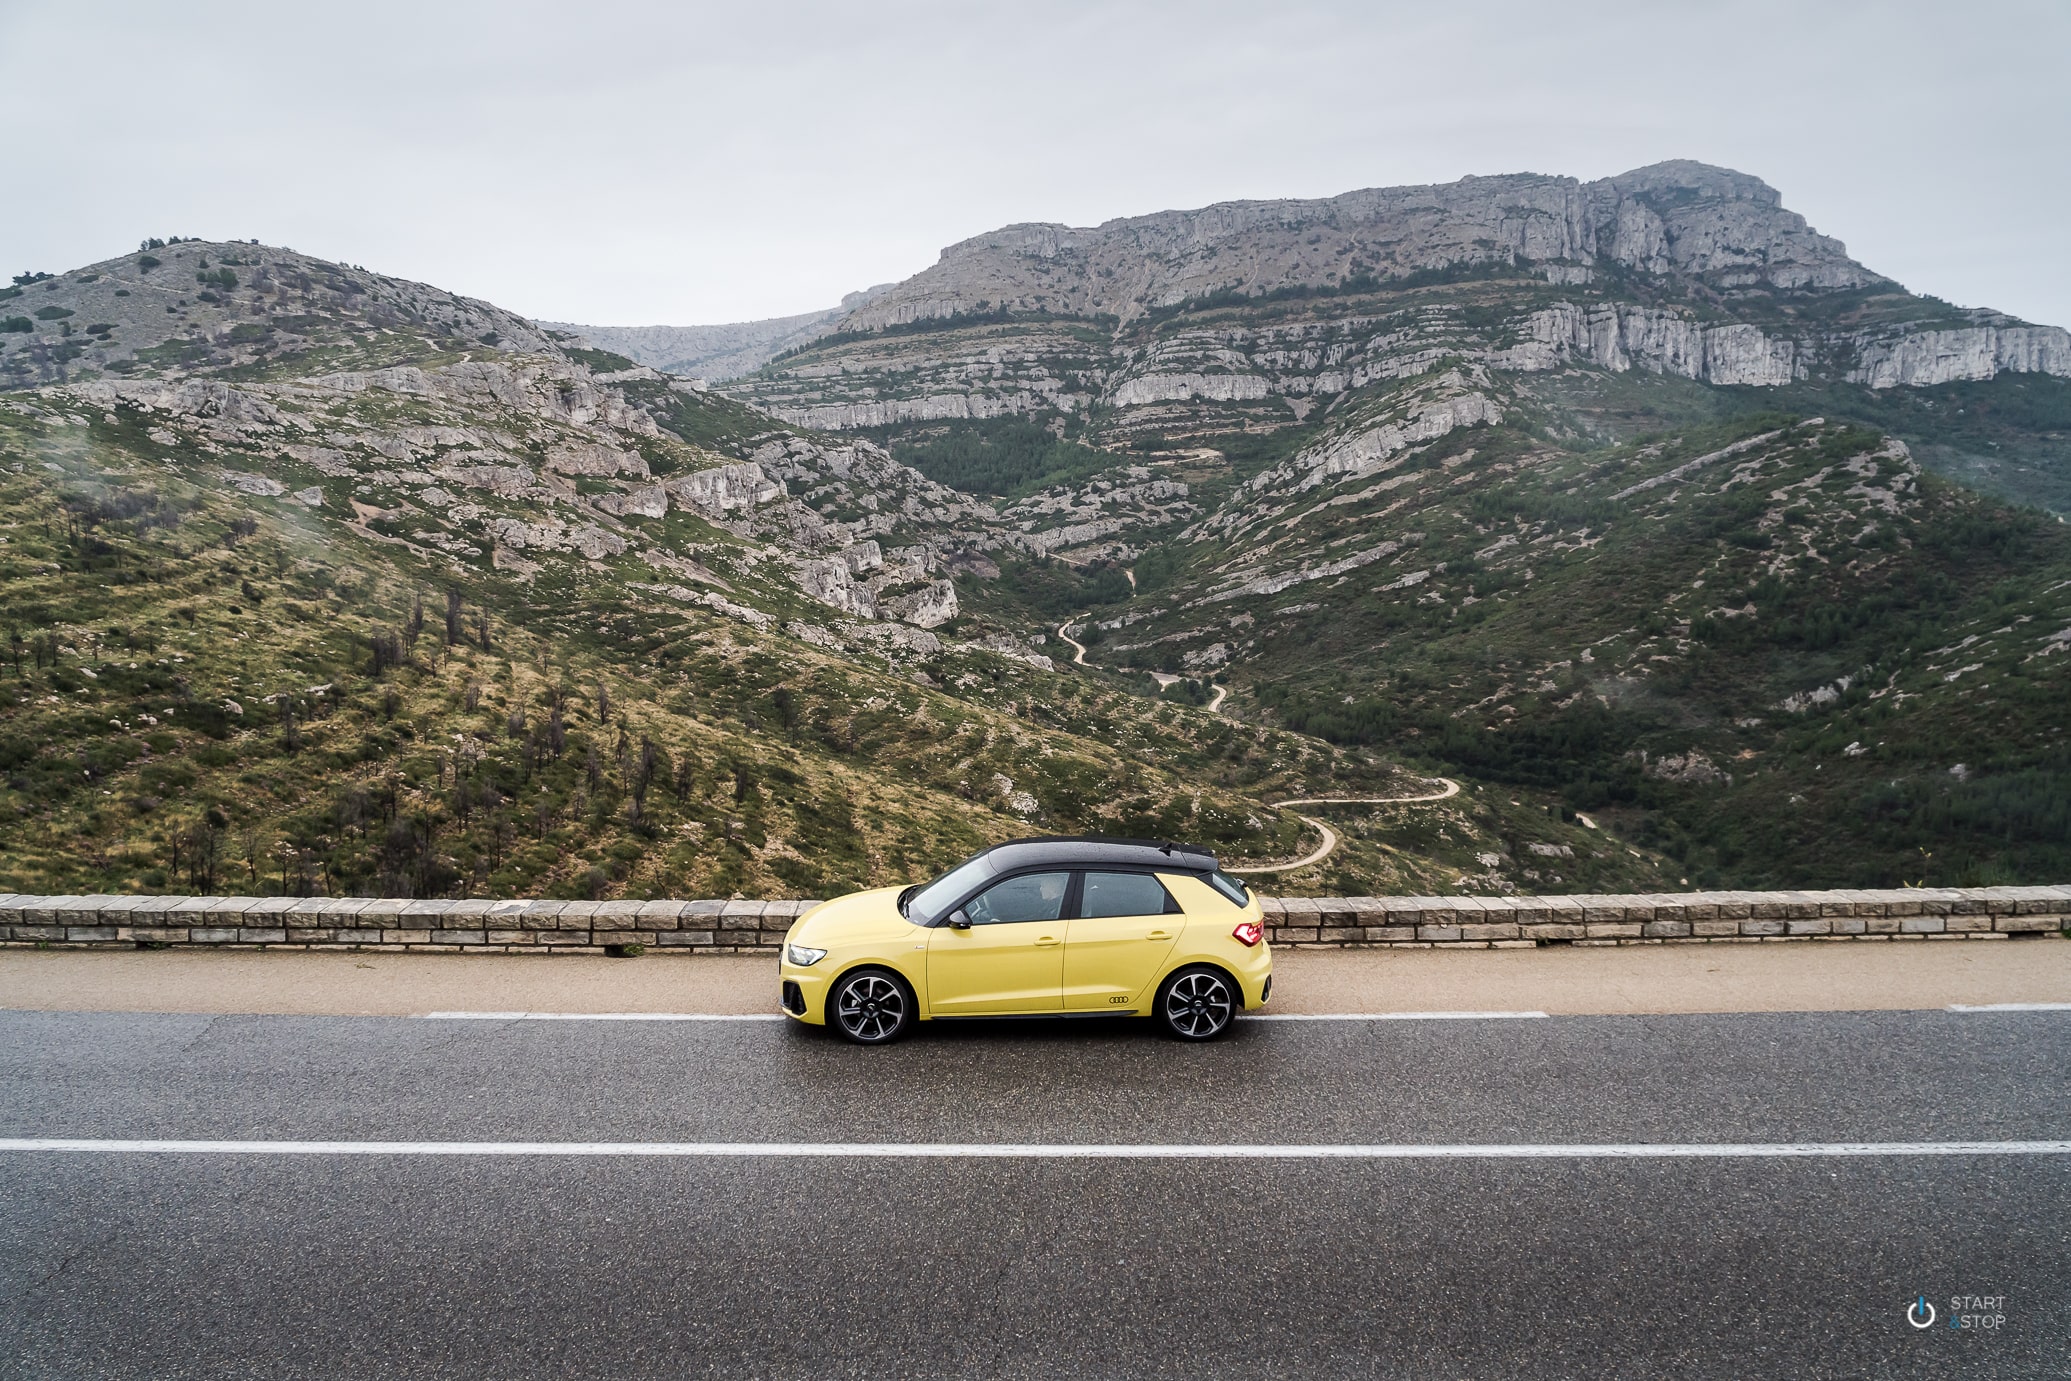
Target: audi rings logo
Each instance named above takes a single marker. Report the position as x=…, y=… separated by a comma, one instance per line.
x=1920, y=1313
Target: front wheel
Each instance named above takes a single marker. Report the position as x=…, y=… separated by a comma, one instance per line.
x=870, y=1007
x=1198, y=1004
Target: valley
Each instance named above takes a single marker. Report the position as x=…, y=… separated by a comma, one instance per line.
x=1698, y=553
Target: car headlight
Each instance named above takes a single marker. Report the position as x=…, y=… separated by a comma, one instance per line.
x=804, y=955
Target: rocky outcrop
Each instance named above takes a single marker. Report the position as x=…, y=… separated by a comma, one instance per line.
x=939, y=407
x=723, y=489
x=1161, y=388
x=1923, y=358
x=596, y=459
x=588, y=540
x=1621, y=337
x=652, y=501
x=831, y=582
x=931, y=606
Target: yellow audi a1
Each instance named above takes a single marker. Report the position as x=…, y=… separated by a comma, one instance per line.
x=1037, y=927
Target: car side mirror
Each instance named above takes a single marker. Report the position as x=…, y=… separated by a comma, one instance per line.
x=958, y=920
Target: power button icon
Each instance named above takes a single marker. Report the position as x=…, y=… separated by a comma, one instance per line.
x=1920, y=1313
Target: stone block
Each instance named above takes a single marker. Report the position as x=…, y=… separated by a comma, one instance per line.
x=261, y=935
x=80, y=934
x=1763, y=926
x=1557, y=930
x=405, y=937
x=212, y=935
x=511, y=938
x=1663, y=930
x=1821, y=926
x=1963, y=924
x=359, y=937
x=1489, y=930
x=620, y=937
x=459, y=937
x=1923, y=925
x=1714, y=928
x=2028, y=924
x=659, y=915
x=159, y=934
x=1615, y=930
x=1852, y=925
x=1439, y=934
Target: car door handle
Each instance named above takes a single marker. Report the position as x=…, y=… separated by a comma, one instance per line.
x=1045, y=941
x=1159, y=935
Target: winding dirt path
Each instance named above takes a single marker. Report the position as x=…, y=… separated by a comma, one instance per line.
x=1330, y=836
x=1078, y=648
x=1078, y=657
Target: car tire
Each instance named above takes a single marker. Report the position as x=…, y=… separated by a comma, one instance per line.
x=871, y=1007
x=1198, y=1003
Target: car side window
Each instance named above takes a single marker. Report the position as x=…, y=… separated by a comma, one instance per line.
x=1124, y=894
x=1030, y=897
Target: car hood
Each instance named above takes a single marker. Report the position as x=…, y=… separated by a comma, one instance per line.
x=858, y=918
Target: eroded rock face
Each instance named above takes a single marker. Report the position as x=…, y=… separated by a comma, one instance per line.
x=651, y=501
x=831, y=582
x=595, y=458
x=931, y=606
x=723, y=489
x=1924, y=358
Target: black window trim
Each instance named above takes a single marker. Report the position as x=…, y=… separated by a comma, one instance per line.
x=1074, y=889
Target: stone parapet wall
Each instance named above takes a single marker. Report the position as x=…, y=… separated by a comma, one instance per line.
x=381, y=923
x=1910, y=913
x=722, y=927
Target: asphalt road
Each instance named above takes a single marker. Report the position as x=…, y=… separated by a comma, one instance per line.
x=162, y=1265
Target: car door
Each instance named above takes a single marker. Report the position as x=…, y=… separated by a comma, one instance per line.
x=1124, y=926
x=1009, y=958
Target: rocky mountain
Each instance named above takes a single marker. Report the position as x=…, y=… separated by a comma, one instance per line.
x=714, y=353
x=395, y=593
x=1624, y=503
x=1266, y=315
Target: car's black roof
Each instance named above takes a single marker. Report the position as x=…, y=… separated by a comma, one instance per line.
x=1090, y=849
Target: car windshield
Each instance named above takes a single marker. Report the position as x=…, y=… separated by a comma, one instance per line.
x=926, y=905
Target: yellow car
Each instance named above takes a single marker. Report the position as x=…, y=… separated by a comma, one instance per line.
x=1033, y=927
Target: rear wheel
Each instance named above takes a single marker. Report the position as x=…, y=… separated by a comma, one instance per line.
x=870, y=1007
x=1198, y=1003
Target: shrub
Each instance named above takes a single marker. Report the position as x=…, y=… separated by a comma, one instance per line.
x=148, y=262
x=16, y=324
x=52, y=313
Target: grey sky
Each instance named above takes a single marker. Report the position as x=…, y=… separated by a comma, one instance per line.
x=631, y=163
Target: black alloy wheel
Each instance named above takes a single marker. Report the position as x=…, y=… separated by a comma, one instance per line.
x=870, y=1007
x=1198, y=1004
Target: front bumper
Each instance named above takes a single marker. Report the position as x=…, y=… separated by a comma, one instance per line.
x=802, y=992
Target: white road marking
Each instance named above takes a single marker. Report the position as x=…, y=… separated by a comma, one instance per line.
x=1394, y=1016
x=2013, y=1007
x=601, y=1016
x=951, y=1150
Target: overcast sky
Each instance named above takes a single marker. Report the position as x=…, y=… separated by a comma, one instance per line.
x=630, y=163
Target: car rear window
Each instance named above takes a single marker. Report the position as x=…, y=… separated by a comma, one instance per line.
x=1230, y=887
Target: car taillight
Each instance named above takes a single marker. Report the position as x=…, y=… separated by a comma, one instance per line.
x=1249, y=933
